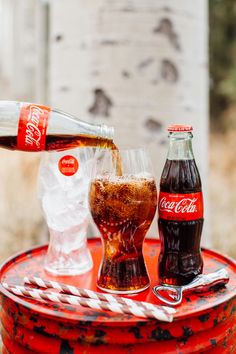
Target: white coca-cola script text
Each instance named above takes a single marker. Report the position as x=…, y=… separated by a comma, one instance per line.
x=185, y=205
x=70, y=161
x=33, y=131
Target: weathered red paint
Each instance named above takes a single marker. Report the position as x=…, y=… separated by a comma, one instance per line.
x=204, y=323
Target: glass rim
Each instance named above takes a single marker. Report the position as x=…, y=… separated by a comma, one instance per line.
x=122, y=148
x=78, y=148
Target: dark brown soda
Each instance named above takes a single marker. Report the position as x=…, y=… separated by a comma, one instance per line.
x=123, y=209
x=180, y=258
x=60, y=142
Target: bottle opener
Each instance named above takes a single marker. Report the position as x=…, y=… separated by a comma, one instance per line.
x=202, y=283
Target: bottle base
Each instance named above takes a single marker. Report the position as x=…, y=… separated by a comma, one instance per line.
x=68, y=271
x=178, y=281
x=123, y=292
x=64, y=266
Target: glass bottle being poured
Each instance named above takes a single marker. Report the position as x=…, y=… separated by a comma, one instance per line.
x=34, y=127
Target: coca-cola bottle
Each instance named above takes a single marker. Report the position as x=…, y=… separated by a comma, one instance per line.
x=180, y=210
x=34, y=127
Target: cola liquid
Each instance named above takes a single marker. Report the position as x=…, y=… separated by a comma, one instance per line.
x=180, y=209
x=61, y=142
x=123, y=209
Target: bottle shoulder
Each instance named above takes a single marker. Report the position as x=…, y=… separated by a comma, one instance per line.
x=180, y=176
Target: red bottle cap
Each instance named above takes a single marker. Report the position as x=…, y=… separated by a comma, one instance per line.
x=179, y=128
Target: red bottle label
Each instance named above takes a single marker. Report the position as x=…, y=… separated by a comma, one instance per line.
x=180, y=206
x=32, y=127
x=68, y=165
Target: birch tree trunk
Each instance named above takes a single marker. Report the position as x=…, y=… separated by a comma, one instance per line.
x=23, y=44
x=22, y=33
x=136, y=65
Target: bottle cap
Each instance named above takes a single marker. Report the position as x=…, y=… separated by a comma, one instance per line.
x=179, y=128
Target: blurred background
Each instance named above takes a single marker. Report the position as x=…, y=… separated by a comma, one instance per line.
x=136, y=65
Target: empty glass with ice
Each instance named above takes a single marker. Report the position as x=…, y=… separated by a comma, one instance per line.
x=63, y=189
x=123, y=206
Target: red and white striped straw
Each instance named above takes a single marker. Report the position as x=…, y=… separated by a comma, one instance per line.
x=92, y=303
x=72, y=290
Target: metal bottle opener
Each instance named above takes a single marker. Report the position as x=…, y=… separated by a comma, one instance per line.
x=201, y=283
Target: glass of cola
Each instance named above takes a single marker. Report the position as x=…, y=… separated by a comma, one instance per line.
x=123, y=201
x=63, y=190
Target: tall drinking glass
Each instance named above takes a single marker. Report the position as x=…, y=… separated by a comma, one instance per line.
x=63, y=189
x=123, y=207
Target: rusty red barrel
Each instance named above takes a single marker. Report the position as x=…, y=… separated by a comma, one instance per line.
x=204, y=323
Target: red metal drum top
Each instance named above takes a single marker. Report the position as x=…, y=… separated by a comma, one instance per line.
x=30, y=263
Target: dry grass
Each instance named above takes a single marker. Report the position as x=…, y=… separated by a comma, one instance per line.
x=222, y=192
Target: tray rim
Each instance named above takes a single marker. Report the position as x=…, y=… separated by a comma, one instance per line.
x=60, y=315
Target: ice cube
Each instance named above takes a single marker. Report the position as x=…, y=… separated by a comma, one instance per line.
x=62, y=213
x=65, y=198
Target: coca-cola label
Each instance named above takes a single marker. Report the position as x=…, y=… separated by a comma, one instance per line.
x=68, y=165
x=180, y=206
x=32, y=127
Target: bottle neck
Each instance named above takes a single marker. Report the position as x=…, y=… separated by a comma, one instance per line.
x=180, y=146
x=106, y=132
x=68, y=124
